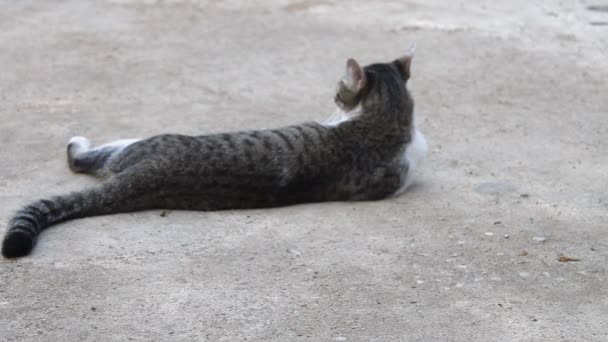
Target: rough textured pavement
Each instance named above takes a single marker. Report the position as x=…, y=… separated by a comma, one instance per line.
x=513, y=98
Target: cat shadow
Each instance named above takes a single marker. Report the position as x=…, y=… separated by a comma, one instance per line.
x=417, y=187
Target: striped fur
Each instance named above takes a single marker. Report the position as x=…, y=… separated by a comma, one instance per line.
x=360, y=158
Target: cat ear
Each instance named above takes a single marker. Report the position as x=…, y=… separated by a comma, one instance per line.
x=405, y=62
x=356, y=75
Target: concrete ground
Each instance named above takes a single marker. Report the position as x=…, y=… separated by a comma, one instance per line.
x=513, y=98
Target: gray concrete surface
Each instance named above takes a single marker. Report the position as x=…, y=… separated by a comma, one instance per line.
x=512, y=95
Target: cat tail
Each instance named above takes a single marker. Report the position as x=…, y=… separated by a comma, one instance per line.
x=25, y=226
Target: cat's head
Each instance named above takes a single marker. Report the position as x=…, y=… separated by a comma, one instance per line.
x=373, y=85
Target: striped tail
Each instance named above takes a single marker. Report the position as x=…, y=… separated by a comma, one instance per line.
x=24, y=228
x=30, y=221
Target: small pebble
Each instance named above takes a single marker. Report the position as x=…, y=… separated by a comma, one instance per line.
x=506, y=236
x=295, y=252
x=540, y=239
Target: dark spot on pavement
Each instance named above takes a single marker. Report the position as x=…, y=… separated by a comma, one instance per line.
x=598, y=8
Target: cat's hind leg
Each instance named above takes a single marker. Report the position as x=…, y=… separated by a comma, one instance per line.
x=84, y=159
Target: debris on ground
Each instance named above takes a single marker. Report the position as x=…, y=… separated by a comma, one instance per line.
x=540, y=239
x=564, y=258
x=523, y=253
x=164, y=213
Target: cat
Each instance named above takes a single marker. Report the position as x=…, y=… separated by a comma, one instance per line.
x=366, y=151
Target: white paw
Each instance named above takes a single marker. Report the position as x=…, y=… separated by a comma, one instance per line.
x=78, y=144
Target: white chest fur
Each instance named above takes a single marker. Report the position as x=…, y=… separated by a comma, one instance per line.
x=340, y=116
x=412, y=157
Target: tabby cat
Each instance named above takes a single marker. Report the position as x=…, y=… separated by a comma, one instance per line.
x=366, y=151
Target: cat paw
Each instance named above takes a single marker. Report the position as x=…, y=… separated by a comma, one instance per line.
x=17, y=244
x=78, y=144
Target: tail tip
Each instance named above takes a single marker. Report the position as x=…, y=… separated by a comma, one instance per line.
x=17, y=244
